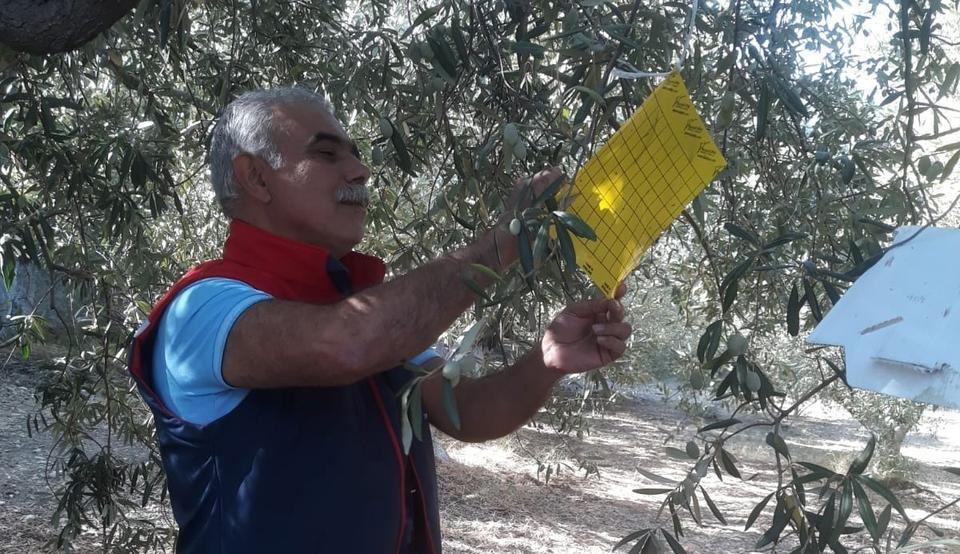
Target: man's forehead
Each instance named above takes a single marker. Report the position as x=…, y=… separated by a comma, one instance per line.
x=312, y=121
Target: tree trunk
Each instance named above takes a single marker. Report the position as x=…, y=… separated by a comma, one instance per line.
x=52, y=26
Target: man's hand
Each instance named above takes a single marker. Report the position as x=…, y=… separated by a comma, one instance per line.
x=586, y=335
x=520, y=198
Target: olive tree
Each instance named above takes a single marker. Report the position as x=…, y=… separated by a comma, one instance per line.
x=104, y=183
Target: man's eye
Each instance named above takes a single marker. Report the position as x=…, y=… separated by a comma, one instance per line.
x=327, y=153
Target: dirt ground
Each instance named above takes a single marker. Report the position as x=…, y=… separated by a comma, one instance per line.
x=492, y=500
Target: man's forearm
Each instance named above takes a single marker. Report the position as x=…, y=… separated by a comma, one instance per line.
x=403, y=317
x=496, y=405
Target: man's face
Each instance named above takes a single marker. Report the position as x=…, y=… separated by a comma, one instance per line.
x=318, y=195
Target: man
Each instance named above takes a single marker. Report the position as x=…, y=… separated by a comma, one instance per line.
x=272, y=373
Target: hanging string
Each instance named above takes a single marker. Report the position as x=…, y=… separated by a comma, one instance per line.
x=633, y=73
x=691, y=25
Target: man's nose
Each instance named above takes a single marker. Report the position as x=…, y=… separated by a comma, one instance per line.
x=358, y=173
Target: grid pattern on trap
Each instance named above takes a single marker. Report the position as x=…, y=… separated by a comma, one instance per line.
x=633, y=188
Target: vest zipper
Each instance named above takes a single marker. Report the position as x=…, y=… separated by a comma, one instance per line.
x=399, y=454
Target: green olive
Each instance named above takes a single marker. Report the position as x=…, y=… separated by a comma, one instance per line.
x=724, y=119
x=520, y=151
x=510, y=134
x=507, y=158
x=737, y=344
x=377, y=155
x=414, y=51
x=753, y=381
x=515, y=227
x=425, y=51
x=697, y=380
x=725, y=113
x=692, y=449
x=728, y=102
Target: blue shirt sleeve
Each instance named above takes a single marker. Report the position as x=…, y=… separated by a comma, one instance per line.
x=188, y=353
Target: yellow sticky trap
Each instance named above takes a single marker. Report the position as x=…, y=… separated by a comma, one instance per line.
x=633, y=188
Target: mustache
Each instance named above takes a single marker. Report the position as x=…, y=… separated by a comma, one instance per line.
x=354, y=194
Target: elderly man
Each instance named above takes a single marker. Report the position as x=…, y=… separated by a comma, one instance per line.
x=273, y=372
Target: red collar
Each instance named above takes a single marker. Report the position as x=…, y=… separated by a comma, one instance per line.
x=296, y=262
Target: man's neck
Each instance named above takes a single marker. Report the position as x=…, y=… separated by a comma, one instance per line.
x=266, y=224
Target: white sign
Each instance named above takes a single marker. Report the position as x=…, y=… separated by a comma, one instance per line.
x=899, y=323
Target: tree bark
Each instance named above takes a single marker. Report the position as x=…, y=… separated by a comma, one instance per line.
x=52, y=26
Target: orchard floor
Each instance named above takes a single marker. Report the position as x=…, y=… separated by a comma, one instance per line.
x=493, y=501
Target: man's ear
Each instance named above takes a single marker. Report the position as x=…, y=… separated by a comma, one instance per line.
x=248, y=170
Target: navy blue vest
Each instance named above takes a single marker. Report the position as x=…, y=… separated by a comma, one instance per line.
x=294, y=470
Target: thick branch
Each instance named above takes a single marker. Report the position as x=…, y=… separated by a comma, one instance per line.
x=52, y=26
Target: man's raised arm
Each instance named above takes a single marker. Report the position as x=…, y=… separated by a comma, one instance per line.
x=281, y=344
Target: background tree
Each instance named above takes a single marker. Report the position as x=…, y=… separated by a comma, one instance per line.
x=52, y=27
x=102, y=166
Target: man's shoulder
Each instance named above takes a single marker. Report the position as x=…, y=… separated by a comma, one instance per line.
x=212, y=291
x=220, y=283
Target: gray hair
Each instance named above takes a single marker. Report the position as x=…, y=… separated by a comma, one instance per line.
x=247, y=126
